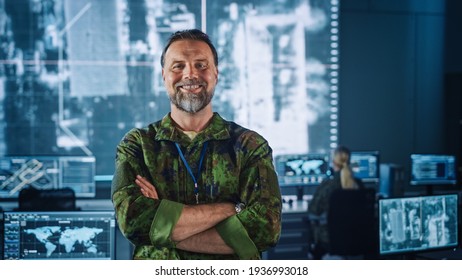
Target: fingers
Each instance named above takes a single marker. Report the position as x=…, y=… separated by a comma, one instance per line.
x=143, y=180
x=146, y=188
x=149, y=192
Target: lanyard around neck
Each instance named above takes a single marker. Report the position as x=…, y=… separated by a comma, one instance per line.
x=194, y=178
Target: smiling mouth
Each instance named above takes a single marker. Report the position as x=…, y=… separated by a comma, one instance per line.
x=190, y=87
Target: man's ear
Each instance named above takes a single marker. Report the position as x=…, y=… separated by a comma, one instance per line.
x=163, y=75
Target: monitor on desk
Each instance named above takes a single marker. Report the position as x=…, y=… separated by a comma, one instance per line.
x=59, y=235
x=302, y=169
x=46, y=173
x=366, y=166
x=415, y=224
x=433, y=169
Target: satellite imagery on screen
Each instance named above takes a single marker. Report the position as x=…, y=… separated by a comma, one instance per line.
x=77, y=75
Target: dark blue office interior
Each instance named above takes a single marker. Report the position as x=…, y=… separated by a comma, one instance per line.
x=381, y=77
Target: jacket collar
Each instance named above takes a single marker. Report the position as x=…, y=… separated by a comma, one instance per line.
x=217, y=129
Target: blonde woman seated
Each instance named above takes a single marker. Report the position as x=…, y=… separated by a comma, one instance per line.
x=319, y=206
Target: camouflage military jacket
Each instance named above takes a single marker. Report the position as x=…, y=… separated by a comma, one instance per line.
x=237, y=166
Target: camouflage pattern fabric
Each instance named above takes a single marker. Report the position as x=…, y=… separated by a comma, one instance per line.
x=238, y=166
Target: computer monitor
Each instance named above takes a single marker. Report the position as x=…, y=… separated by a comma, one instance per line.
x=47, y=172
x=366, y=166
x=302, y=169
x=433, y=169
x=420, y=223
x=59, y=235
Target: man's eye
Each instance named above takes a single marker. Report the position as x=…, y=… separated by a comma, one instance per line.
x=177, y=66
x=201, y=65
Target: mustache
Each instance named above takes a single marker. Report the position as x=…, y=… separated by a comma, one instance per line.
x=190, y=83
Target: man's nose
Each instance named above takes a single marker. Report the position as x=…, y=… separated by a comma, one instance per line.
x=189, y=72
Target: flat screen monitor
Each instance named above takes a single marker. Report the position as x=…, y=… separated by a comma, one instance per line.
x=59, y=235
x=303, y=169
x=366, y=166
x=414, y=224
x=47, y=172
x=433, y=169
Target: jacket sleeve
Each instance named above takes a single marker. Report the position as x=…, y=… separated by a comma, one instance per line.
x=142, y=220
x=258, y=226
x=318, y=201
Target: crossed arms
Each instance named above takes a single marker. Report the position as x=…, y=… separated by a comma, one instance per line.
x=194, y=230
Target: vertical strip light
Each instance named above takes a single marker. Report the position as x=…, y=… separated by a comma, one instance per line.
x=334, y=72
x=204, y=16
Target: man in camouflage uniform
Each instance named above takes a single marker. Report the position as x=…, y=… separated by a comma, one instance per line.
x=193, y=185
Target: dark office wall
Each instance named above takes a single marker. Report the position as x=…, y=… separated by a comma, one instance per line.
x=391, y=77
x=453, y=81
x=453, y=40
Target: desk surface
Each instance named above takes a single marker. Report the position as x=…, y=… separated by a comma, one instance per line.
x=455, y=254
x=82, y=204
x=296, y=206
x=292, y=205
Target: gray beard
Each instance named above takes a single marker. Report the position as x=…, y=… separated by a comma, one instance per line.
x=190, y=102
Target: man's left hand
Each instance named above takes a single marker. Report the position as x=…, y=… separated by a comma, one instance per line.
x=147, y=189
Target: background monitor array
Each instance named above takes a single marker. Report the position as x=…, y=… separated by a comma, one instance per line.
x=366, y=166
x=414, y=224
x=302, y=169
x=433, y=169
x=313, y=168
x=59, y=235
x=47, y=172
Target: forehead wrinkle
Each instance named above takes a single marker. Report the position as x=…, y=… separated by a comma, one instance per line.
x=189, y=49
x=195, y=60
x=185, y=55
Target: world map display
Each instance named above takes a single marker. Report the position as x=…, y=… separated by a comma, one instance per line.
x=54, y=241
x=59, y=235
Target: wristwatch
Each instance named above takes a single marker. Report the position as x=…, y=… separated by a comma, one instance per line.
x=239, y=207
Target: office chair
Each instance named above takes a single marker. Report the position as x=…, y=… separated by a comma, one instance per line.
x=32, y=199
x=351, y=223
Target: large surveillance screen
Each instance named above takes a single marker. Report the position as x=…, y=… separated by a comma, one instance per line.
x=76, y=75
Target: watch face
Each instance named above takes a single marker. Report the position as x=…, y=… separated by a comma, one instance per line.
x=239, y=207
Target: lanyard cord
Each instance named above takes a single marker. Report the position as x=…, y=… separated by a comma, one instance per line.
x=196, y=188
